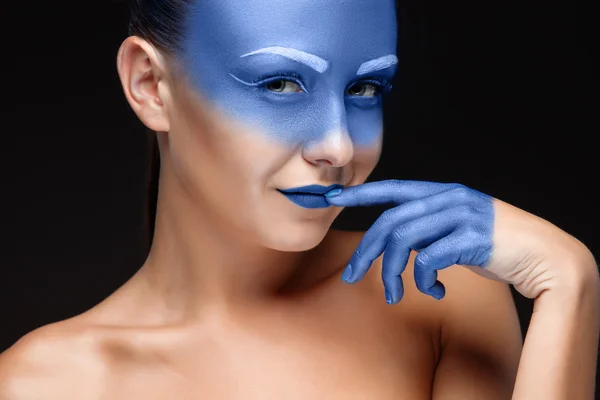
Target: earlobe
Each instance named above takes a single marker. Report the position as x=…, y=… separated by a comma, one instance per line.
x=140, y=71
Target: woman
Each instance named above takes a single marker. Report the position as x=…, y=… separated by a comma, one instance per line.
x=268, y=119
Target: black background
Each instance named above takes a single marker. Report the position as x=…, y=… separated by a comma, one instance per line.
x=496, y=96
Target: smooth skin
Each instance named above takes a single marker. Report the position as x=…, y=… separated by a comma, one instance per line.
x=321, y=339
x=241, y=295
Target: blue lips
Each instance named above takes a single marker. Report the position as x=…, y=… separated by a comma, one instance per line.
x=311, y=196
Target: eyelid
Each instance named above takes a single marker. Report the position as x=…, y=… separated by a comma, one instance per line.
x=263, y=80
x=280, y=76
x=383, y=84
x=382, y=87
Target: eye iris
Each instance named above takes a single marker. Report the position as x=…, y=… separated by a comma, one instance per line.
x=366, y=90
x=357, y=90
x=276, y=86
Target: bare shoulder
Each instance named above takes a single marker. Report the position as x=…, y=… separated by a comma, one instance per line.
x=472, y=300
x=56, y=361
x=474, y=329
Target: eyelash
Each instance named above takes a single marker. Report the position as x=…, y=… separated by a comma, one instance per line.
x=382, y=85
x=280, y=76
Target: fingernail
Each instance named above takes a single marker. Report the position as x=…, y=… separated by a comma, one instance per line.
x=333, y=193
x=388, y=297
x=347, y=273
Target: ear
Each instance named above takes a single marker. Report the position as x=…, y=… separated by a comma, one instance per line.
x=141, y=70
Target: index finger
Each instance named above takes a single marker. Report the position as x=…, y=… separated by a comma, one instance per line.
x=386, y=192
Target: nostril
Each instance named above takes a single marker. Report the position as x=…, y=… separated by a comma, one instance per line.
x=323, y=161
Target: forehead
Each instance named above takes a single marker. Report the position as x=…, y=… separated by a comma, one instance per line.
x=336, y=30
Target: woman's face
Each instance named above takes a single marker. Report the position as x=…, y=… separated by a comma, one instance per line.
x=279, y=95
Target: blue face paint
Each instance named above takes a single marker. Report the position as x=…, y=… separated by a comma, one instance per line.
x=296, y=69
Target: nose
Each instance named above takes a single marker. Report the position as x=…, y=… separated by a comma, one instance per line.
x=335, y=148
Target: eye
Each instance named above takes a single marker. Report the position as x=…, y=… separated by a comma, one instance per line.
x=364, y=90
x=283, y=86
x=282, y=82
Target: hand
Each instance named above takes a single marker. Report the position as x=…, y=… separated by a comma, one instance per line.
x=451, y=224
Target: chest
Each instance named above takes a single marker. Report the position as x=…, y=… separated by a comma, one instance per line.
x=361, y=357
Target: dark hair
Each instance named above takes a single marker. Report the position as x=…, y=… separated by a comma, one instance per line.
x=161, y=23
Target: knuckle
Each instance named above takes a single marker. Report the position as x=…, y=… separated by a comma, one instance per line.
x=358, y=253
x=422, y=261
x=461, y=192
x=399, y=235
x=454, y=185
x=386, y=217
x=420, y=207
x=464, y=211
x=470, y=233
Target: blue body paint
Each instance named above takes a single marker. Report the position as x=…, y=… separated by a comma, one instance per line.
x=447, y=224
x=301, y=70
x=334, y=57
x=312, y=196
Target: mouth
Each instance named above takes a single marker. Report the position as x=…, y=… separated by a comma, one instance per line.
x=311, y=189
x=311, y=196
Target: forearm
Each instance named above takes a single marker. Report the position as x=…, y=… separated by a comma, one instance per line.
x=559, y=356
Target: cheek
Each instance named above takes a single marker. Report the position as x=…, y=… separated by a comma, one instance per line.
x=282, y=119
x=365, y=127
x=366, y=159
x=210, y=144
x=242, y=151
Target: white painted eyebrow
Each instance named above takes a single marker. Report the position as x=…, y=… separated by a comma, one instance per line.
x=377, y=64
x=315, y=62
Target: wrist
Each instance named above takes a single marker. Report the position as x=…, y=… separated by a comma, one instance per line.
x=576, y=285
x=562, y=339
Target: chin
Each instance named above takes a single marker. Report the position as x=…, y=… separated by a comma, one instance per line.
x=295, y=237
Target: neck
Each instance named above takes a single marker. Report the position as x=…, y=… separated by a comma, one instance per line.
x=197, y=261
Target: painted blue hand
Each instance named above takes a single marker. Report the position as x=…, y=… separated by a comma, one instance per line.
x=446, y=224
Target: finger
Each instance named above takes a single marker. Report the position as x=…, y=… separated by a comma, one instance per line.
x=422, y=233
x=464, y=246
x=375, y=239
x=394, y=263
x=387, y=192
x=415, y=234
